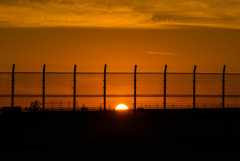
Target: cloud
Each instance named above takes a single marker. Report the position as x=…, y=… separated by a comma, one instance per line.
x=124, y=13
x=162, y=53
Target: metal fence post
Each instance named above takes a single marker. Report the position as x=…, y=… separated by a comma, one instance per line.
x=104, y=87
x=135, y=88
x=43, y=87
x=165, y=87
x=194, y=87
x=223, y=87
x=13, y=72
x=74, y=88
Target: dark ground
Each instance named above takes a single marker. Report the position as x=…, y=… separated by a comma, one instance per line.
x=207, y=134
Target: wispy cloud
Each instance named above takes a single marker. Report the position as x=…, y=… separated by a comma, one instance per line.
x=162, y=53
x=124, y=13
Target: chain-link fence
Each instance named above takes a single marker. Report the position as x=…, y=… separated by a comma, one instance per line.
x=104, y=90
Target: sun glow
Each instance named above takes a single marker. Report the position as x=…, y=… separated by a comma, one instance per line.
x=121, y=107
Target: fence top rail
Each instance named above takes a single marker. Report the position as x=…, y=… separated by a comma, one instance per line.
x=118, y=73
x=121, y=95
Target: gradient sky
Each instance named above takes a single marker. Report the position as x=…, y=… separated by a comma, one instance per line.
x=120, y=32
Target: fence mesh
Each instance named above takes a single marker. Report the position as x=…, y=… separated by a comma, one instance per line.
x=120, y=90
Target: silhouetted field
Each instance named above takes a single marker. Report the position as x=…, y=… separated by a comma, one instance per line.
x=200, y=134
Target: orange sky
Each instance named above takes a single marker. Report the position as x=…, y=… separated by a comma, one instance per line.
x=124, y=13
x=120, y=33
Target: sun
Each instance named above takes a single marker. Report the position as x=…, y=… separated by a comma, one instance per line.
x=121, y=107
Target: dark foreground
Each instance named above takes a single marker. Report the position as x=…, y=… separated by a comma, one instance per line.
x=210, y=134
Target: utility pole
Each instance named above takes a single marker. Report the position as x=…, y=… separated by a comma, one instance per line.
x=165, y=87
x=223, y=87
x=43, y=87
x=104, y=87
x=74, y=87
x=13, y=73
x=194, y=87
x=135, y=88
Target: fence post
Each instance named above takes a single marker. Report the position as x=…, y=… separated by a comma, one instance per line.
x=223, y=87
x=74, y=88
x=43, y=87
x=13, y=72
x=135, y=88
x=165, y=87
x=104, y=87
x=194, y=87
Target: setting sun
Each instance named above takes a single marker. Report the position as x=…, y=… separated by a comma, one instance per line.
x=121, y=107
